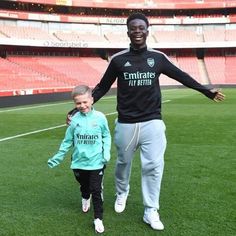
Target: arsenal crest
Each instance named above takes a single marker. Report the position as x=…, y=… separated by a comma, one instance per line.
x=150, y=62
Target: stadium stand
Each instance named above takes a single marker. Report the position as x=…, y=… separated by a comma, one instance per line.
x=35, y=38
x=25, y=33
x=166, y=81
x=230, y=35
x=177, y=36
x=216, y=69
x=214, y=35
x=230, y=69
x=51, y=72
x=156, y=36
x=190, y=65
x=20, y=80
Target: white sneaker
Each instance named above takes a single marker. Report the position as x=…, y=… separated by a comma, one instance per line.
x=152, y=218
x=120, y=202
x=99, y=227
x=85, y=205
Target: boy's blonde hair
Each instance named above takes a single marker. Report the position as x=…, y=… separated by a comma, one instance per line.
x=81, y=90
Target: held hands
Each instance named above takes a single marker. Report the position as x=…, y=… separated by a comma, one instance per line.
x=218, y=95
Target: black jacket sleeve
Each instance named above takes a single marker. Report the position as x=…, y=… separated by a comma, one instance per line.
x=105, y=83
x=174, y=72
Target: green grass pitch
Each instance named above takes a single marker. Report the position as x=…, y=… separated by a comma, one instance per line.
x=198, y=196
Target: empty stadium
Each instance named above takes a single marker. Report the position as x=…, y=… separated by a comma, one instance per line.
x=49, y=46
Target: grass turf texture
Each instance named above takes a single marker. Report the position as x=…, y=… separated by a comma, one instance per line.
x=198, y=189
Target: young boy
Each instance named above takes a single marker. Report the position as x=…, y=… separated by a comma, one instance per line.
x=89, y=135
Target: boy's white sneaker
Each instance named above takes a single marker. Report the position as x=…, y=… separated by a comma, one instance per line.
x=153, y=219
x=99, y=227
x=85, y=205
x=120, y=202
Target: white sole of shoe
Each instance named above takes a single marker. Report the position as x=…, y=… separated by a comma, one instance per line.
x=147, y=222
x=118, y=210
x=85, y=211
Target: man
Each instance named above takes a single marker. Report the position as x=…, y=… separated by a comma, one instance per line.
x=139, y=123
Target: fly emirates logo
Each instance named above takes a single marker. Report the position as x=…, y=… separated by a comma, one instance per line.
x=139, y=78
x=87, y=139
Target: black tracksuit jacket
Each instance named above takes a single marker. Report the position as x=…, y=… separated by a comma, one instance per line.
x=137, y=73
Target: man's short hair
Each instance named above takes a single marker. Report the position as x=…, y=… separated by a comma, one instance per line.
x=137, y=15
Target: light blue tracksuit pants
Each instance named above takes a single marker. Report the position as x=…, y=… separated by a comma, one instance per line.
x=150, y=137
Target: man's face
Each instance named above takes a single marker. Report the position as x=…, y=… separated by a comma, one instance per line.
x=137, y=32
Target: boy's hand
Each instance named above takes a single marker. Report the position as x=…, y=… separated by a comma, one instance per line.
x=52, y=163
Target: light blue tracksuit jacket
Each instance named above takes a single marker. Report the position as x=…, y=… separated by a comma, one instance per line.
x=90, y=137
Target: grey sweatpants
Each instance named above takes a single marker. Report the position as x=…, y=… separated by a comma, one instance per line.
x=150, y=137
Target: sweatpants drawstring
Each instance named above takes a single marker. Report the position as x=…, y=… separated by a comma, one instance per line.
x=136, y=130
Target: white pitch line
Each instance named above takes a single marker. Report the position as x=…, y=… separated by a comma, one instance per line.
x=41, y=130
x=46, y=105
x=32, y=132
x=50, y=128
x=166, y=101
x=33, y=107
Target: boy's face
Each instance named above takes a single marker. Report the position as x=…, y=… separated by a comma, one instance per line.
x=83, y=102
x=137, y=32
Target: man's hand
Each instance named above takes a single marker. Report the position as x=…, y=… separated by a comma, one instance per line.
x=218, y=95
x=69, y=115
x=68, y=119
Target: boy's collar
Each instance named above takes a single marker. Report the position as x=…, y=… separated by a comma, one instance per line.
x=88, y=113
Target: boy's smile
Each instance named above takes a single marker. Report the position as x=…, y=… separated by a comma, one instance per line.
x=83, y=102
